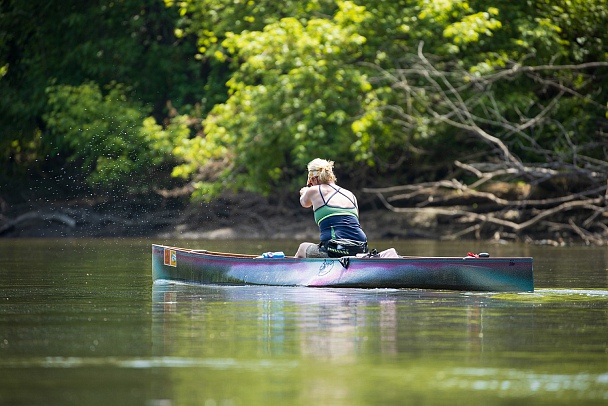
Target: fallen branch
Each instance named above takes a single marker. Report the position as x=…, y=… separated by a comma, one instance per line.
x=431, y=189
x=589, y=204
x=572, y=170
x=36, y=216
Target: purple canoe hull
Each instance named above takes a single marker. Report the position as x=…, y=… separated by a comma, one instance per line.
x=469, y=274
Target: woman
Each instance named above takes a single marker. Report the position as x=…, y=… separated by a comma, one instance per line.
x=336, y=213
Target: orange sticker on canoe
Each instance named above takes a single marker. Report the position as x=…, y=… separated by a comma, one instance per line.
x=170, y=257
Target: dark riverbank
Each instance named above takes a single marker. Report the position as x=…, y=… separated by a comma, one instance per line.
x=244, y=217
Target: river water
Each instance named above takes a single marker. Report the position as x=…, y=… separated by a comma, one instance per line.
x=82, y=324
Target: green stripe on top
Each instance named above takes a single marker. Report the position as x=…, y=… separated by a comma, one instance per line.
x=324, y=212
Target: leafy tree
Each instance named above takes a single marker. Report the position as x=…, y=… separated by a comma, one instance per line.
x=44, y=43
x=270, y=85
x=293, y=97
x=105, y=135
x=211, y=20
x=301, y=88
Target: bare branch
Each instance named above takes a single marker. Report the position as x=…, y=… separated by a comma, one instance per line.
x=467, y=102
x=460, y=108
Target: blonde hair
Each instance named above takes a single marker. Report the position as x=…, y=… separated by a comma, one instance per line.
x=323, y=169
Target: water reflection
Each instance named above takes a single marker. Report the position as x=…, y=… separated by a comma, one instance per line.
x=81, y=323
x=335, y=325
x=444, y=343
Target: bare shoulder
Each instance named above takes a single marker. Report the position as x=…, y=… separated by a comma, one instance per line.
x=307, y=196
x=340, y=188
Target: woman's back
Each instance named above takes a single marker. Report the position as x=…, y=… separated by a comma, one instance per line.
x=334, y=196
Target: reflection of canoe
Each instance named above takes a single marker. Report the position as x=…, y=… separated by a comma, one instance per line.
x=469, y=273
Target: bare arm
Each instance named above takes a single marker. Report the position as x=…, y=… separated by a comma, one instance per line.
x=305, y=196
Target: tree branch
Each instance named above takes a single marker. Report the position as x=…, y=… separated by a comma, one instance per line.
x=464, y=101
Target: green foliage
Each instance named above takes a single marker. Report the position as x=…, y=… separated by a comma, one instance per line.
x=105, y=133
x=293, y=98
x=303, y=87
x=472, y=26
x=211, y=20
x=71, y=42
x=275, y=84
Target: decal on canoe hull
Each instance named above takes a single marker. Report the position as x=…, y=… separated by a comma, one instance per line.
x=170, y=257
x=326, y=267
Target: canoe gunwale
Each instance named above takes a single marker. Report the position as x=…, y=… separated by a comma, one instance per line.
x=364, y=258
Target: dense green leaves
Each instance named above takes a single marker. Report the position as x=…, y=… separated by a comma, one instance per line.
x=242, y=94
x=107, y=134
x=294, y=96
x=44, y=43
x=307, y=87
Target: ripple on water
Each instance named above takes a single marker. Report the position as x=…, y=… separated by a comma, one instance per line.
x=143, y=363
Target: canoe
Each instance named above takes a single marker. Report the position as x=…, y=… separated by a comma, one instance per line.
x=471, y=273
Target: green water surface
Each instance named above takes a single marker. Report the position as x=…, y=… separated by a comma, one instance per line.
x=81, y=323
